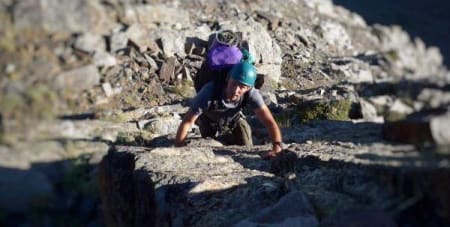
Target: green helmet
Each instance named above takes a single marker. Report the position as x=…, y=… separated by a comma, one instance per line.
x=244, y=73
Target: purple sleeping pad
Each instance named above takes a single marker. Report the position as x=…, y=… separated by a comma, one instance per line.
x=223, y=56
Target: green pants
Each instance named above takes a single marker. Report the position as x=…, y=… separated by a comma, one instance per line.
x=239, y=134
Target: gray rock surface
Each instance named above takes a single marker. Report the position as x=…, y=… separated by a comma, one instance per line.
x=78, y=79
x=140, y=36
x=164, y=125
x=205, y=173
x=293, y=209
x=122, y=74
x=439, y=129
x=153, y=14
x=237, y=183
x=174, y=41
x=90, y=43
x=368, y=111
x=62, y=16
x=266, y=51
x=117, y=41
x=104, y=59
x=20, y=188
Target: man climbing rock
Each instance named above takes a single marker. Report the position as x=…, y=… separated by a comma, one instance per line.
x=217, y=109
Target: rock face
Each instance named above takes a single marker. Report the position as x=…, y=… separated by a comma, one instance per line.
x=78, y=79
x=139, y=209
x=427, y=128
x=266, y=51
x=227, y=186
x=211, y=189
x=292, y=209
x=62, y=16
x=152, y=14
x=22, y=188
x=86, y=78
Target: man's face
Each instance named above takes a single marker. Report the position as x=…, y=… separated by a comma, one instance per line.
x=234, y=90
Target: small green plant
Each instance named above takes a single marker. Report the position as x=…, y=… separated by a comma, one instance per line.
x=78, y=178
x=290, y=70
x=394, y=116
x=184, y=89
x=41, y=102
x=393, y=55
x=284, y=119
x=36, y=103
x=11, y=105
x=141, y=138
x=130, y=101
x=117, y=117
x=8, y=38
x=325, y=110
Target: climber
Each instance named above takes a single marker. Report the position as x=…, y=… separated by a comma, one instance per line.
x=217, y=110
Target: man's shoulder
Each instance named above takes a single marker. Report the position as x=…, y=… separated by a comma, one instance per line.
x=254, y=97
x=254, y=92
x=202, y=99
x=207, y=89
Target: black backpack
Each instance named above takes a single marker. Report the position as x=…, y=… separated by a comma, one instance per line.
x=219, y=75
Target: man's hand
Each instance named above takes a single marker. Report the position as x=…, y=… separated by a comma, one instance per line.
x=276, y=149
x=184, y=127
x=180, y=143
x=265, y=116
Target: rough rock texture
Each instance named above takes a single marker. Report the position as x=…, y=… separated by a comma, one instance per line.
x=151, y=14
x=80, y=78
x=420, y=128
x=224, y=186
x=266, y=51
x=22, y=188
x=210, y=189
x=292, y=209
x=62, y=16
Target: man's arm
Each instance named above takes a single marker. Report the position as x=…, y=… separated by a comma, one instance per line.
x=265, y=116
x=186, y=124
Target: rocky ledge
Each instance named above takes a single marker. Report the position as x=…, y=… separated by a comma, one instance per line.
x=310, y=184
x=363, y=111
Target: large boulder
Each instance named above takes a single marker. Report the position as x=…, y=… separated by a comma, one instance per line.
x=78, y=79
x=174, y=41
x=31, y=172
x=90, y=43
x=56, y=16
x=171, y=41
x=164, y=125
x=409, y=58
x=203, y=185
x=335, y=36
x=195, y=186
x=352, y=70
x=420, y=128
x=155, y=14
x=266, y=50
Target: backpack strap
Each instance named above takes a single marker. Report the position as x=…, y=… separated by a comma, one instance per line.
x=217, y=95
x=245, y=100
x=225, y=121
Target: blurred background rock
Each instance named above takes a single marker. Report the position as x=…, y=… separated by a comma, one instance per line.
x=356, y=88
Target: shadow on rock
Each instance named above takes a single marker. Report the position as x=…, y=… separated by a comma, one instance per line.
x=50, y=193
x=203, y=189
x=333, y=131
